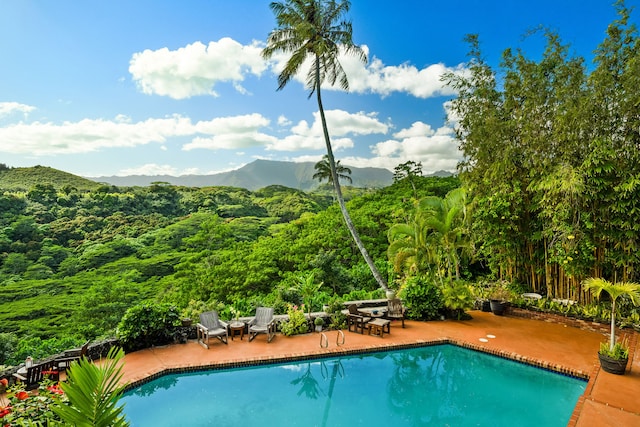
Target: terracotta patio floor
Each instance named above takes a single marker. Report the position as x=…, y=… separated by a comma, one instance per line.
x=609, y=400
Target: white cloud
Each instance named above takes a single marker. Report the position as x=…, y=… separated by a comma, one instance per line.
x=283, y=121
x=8, y=108
x=195, y=69
x=149, y=169
x=340, y=123
x=436, y=149
x=88, y=135
x=231, y=133
x=378, y=78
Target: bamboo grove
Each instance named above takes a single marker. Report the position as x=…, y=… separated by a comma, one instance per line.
x=552, y=161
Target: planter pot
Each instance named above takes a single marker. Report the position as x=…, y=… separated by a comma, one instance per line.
x=485, y=305
x=498, y=307
x=391, y=294
x=318, y=328
x=611, y=365
x=186, y=322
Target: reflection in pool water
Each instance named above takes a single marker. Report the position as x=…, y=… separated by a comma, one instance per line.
x=437, y=385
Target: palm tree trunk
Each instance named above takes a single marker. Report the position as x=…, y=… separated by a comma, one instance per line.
x=612, y=340
x=336, y=185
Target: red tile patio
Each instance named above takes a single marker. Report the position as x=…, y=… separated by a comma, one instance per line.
x=609, y=400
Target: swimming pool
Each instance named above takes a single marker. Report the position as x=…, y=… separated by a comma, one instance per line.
x=435, y=385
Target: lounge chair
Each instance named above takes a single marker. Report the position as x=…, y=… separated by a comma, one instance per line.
x=211, y=326
x=71, y=356
x=395, y=310
x=356, y=320
x=263, y=323
x=33, y=375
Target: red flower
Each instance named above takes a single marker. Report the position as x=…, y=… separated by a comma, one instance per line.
x=22, y=395
x=55, y=389
x=4, y=382
x=5, y=411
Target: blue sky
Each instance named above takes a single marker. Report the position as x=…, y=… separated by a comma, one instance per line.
x=153, y=87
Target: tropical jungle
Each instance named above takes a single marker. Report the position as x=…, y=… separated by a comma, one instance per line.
x=546, y=197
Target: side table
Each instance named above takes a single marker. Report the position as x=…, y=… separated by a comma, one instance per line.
x=236, y=328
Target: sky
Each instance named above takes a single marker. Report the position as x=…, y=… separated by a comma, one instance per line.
x=166, y=87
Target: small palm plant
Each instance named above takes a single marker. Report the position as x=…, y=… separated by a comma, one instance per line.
x=615, y=291
x=93, y=392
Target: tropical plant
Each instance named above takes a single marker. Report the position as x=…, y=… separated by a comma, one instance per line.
x=93, y=392
x=296, y=324
x=458, y=297
x=323, y=171
x=148, y=324
x=408, y=170
x=308, y=289
x=434, y=239
x=615, y=290
x=32, y=409
x=314, y=28
x=422, y=297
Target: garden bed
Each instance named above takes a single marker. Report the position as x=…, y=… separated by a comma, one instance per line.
x=587, y=325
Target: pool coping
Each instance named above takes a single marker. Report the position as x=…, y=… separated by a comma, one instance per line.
x=270, y=360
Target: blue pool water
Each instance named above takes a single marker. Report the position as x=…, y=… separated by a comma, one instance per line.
x=440, y=385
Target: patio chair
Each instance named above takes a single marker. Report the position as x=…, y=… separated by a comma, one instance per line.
x=72, y=355
x=211, y=326
x=33, y=375
x=263, y=323
x=356, y=320
x=395, y=310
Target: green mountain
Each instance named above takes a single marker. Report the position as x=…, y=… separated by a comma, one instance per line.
x=23, y=179
x=256, y=175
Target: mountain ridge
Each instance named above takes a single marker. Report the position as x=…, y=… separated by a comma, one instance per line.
x=256, y=175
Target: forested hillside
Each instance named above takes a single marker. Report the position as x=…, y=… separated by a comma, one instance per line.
x=72, y=262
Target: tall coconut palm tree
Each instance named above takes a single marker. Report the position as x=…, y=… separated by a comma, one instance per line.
x=315, y=29
x=323, y=171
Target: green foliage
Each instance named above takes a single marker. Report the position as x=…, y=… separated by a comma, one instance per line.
x=93, y=392
x=308, y=289
x=457, y=296
x=21, y=179
x=8, y=344
x=33, y=410
x=70, y=270
x=551, y=160
x=41, y=348
x=103, y=306
x=620, y=350
x=422, y=297
x=297, y=323
x=334, y=309
x=615, y=291
x=148, y=324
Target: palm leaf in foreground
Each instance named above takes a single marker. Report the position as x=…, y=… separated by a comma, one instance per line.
x=93, y=392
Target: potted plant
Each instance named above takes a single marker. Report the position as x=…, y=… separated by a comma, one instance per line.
x=614, y=355
x=498, y=299
x=319, y=322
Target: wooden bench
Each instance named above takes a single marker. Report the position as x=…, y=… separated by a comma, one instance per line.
x=33, y=375
x=379, y=327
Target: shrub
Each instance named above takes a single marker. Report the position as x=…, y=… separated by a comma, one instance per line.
x=27, y=409
x=338, y=318
x=457, y=298
x=8, y=343
x=297, y=323
x=148, y=324
x=422, y=297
